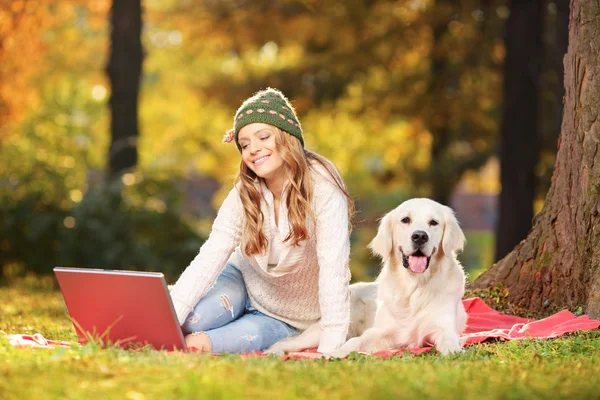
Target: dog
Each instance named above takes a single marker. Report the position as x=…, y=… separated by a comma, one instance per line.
x=419, y=290
x=363, y=306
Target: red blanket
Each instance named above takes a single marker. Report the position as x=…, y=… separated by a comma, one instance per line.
x=483, y=323
x=486, y=323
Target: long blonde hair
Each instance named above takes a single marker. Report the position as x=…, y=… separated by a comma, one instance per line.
x=297, y=163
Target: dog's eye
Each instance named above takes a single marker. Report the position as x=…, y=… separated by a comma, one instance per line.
x=433, y=222
x=406, y=220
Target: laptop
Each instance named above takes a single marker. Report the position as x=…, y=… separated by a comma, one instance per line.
x=120, y=307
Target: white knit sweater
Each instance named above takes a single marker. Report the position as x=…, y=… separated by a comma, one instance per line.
x=310, y=281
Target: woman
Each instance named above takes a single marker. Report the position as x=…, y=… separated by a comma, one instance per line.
x=277, y=258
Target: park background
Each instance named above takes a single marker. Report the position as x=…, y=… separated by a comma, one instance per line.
x=111, y=119
x=405, y=97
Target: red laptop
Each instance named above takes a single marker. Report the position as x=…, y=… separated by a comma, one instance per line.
x=121, y=307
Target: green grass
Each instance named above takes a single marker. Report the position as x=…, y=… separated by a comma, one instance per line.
x=564, y=368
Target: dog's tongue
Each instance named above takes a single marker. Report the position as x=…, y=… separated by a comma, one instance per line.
x=417, y=263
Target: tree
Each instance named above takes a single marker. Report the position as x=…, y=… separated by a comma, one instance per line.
x=558, y=264
x=556, y=37
x=519, y=126
x=561, y=36
x=430, y=65
x=21, y=26
x=445, y=107
x=124, y=70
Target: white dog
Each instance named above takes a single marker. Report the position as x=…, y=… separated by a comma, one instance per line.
x=363, y=307
x=420, y=288
x=421, y=284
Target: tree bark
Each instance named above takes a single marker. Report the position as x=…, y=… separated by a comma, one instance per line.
x=519, y=143
x=558, y=263
x=124, y=70
x=437, y=119
x=552, y=92
x=561, y=47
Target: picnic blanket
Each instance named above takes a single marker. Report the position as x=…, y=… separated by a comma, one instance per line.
x=484, y=323
x=36, y=341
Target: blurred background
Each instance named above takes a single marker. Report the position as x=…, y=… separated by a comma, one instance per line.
x=112, y=115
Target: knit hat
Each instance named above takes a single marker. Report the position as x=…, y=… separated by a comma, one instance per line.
x=271, y=107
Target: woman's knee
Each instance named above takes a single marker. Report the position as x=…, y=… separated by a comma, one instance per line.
x=224, y=302
x=213, y=311
x=198, y=341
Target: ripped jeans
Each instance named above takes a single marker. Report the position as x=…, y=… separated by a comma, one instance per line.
x=226, y=316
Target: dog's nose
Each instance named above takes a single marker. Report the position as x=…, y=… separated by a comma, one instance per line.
x=419, y=237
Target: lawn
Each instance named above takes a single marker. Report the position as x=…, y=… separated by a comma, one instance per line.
x=564, y=368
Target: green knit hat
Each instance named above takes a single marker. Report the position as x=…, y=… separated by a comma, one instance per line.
x=271, y=107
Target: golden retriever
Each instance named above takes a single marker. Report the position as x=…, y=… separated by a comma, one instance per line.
x=418, y=292
x=363, y=307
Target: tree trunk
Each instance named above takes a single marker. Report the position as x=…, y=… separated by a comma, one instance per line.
x=443, y=178
x=519, y=142
x=552, y=92
x=124, y=70
x=558, y=264
x=561, y=47
x=437, y=119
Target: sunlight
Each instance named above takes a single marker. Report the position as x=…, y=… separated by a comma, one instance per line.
x=69, y=222
x=128, y=179
x=76, y=195
x=99, y=92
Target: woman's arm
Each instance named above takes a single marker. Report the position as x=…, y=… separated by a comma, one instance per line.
x=206, y=267
x=333, y=254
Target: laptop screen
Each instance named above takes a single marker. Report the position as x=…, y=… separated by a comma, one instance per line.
x=120, y=307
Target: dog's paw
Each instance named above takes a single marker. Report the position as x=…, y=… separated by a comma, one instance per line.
x=449, y=346
x=343, y=351
x=446, y=352
x=282, y=347
x=340, y=353
x=274, y=352
x=351, y=345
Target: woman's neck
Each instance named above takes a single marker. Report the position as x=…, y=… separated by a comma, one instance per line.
x=275, y=186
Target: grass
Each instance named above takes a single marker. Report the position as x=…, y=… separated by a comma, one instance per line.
x=566, y=368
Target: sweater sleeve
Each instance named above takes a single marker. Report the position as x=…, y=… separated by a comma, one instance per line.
x=206, y=267
x=333, y=254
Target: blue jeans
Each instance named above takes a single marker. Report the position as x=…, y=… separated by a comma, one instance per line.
x=226, y=316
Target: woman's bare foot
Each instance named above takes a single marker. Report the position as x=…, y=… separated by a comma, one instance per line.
x=199, y=341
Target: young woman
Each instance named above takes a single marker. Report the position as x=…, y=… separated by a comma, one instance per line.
x=277, y=258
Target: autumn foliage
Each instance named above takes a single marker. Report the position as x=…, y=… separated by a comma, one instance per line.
x=403, y=96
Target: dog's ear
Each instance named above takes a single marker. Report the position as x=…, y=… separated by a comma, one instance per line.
x=453, y=238
x=383, y=242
